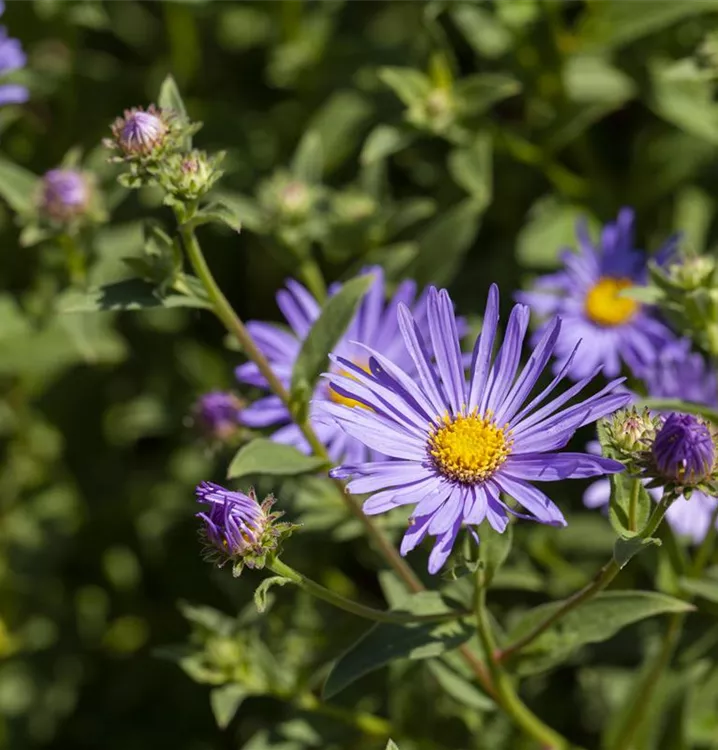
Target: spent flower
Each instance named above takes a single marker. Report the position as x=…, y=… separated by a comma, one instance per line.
x=587, y=294
x=455, y=445
x=238, y=529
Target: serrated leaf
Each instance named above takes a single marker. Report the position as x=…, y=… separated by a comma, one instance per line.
x=334, y=319
x=596, y=620
x=445, y=242
x=385, y=643
x=129, y=294
x=225, y=701
x=262, y=456
x=18, y=186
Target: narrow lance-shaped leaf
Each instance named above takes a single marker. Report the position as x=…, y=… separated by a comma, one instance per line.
x=333, y=321
x=262, y=456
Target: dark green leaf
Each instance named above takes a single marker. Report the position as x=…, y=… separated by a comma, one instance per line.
x=384, y=141
x=384, y=643
x=477, y=93
x=594, y=621
x=458, y=687
x=494, y=548
x=18, y=186
x=262, y=456
x=333, y=321
x=225, y=701
x=625, y=549
x=706, y=588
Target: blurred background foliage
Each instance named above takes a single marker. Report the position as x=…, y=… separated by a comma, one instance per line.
x=455, y=142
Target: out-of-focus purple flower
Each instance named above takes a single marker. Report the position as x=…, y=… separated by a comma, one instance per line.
x=65, y=194
x=217, y=414
x=455, y=445
x=12, y=58
x=375, y=325
x=586, y=294
x=683, y=450
x=681, y=373
x=140, y=133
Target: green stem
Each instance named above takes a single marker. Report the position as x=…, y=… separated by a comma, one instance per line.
x=604, y=576
x=633, y=504
x=506, y=695
x=669, y=404
x=348, y=605
x=74, y=259
x=236, y=327
x=363, y=721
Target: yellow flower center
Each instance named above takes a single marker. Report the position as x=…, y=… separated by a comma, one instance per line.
x=469, y=448
x=605, y=306
x=337, y=398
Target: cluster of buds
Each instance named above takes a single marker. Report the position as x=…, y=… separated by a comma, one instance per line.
x=237, y=529
x=216, y=415
x=141, y=139
x=187, y=177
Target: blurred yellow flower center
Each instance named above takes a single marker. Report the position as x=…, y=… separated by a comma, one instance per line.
x=469, y=448
x=605, y=306
x=337, y=398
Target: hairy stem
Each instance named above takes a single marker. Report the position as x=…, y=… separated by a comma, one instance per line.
x=506, y=695
x=348, y=605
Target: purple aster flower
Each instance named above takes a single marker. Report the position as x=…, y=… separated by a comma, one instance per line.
x=681, y=373
x=237, y=528
x=586, y=294
x=375, y=324
x=217, y=414
x=455, y=445
x=140, y=133
x=12, y=58
x=683, y=451
x=65, y=194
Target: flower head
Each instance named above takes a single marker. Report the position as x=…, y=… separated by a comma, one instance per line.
x=683, y=451
x=217, y=414
x=12, y=58
x=375, y=324
x=455, y=445
x=139, y=132
x=65, y=194
x=587, y=294
x=237, y=528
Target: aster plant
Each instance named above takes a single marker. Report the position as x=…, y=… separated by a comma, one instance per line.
x=588, y=295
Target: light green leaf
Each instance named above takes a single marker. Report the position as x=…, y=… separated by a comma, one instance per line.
x=409, y=84
x=694, y=213
x=384, y=141
x=18, y=186
x=225, y=701
x=217, y=213
x=625, y=549
x=385, y=643
x=459, y=688
x=130, y=294
x=391, y=745
x=335, y=317
x=551, y=227
x=308, y=161
x=246, y=210
x=170, y=97
x=487, y=35
x=706, y=588
x=594, y=621
x=445, y=242
x=477, y=93
x=262, y=456
x=591, y=78
x=649, y=295
x=472, y=169
x=260, y=593
x=619, y=507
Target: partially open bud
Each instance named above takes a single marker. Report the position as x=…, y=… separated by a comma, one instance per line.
x=237, y=529
x=140, y=133
x=65, y=194
x=216, y=415
x=684, y=450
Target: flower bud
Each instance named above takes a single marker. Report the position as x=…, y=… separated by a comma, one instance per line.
x=684, y=451
x=65, y=194
x=216, y=414
x=630, y=431
x=237, y=529
x=190, y=176
x=140, y=133
x=692, y=272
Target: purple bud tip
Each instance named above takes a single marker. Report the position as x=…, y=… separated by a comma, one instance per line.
x=683, y=449
x=217, y=414
x=65, y=193
x=140, y=132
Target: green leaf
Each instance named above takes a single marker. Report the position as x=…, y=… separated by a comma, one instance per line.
x=308, y=161
x=18, y=186
x=130, y=294
x=614, y=23
x=591, y=78
x=262, y=456
x=459, y=688
x=384, y=141
x=551, y=227
x=217, y=213
x=225, y=701
x=391, y=745
x=625, y=549
x=261, y=592
x=596, y=620
x=649, y=295
x=694, y=214
x=488, y=36
x=622, y=488
x=706, y=588
x=170, y=97
x=471, y=168
x=409, y=84
x=445, y=242
x=385, y=643
x=335, y=317
x=477, y=93
x=494, y=548
x=245, y=209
